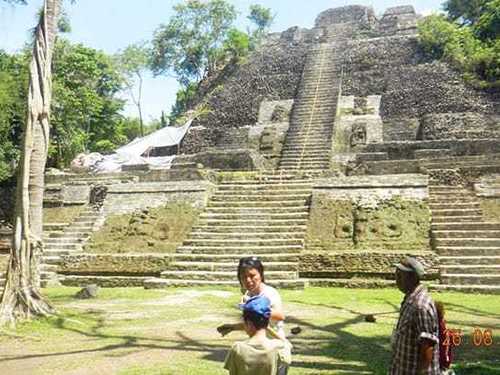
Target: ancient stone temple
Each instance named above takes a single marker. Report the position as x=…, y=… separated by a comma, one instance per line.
x=331, y=153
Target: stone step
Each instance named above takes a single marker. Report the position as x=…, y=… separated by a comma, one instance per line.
x=309, y=126
x=294, y=162
x=321, y=82
x=104, y=281
x=456, y=234
x=484, y=289
x=368, y=283
x=48, y=267
x=250, y=228
x=82, y=223
x=310, y=116
x=467, y=251
x=466, y=226
x=282, y=196
x=222, y=276
x=454, y=206
x=276, y=223
x=54, y=226
x=195, y=235
x=452, y=199
x=455, y=164
x=244, y=242
x=469, y=260
x=159, y=283
x=65, y=239
x=266, y=185
x=470, y=279
x=305, y=152
x=449, y=269
x=234, y=258
x=309, y=148
x=232, y=250
x=68, y=235
x=445, y=189
x=318, y=171
x=305, y=149
x=51, y=259
x=254, y=194
x=306, y=141
x=305, y=157
x=274, y=176
x=442, y=197
x=81, y=231
x=255, y=216
x=467, y=242
x=229, y=266
x=57, y=252
x=456, y=212
x=305, y=113
x=61, y=246
x=250, y=204
x=86, y=218
x=456, y=219
x=306, y=167
x=257, y=210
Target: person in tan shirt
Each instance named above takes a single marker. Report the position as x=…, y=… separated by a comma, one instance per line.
x=259, y=355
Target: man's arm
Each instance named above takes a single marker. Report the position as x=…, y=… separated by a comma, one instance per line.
x=226, y=328
x=426, y=352
x=427, y=328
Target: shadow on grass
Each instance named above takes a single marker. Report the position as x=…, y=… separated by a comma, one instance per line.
x=331, y=348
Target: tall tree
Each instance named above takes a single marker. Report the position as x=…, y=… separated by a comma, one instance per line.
x=21, y=297
x=261, y=17
x=465, y=11
x=85, y=105
x=133, y=62
x=189, y=45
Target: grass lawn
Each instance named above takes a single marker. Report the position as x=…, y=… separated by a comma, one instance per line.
x=135, y=331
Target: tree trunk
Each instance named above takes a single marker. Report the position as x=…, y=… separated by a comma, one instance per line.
x=21, y=298
x=139, y=107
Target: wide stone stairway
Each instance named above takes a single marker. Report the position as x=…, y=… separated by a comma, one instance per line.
x=308, y=141
x=64, y=239
x=265, y=217
x=468, y=246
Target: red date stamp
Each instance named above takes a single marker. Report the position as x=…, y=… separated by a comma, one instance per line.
x=479, y=337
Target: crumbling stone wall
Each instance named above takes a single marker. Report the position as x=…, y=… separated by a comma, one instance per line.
x=398, y=20
x=368, y=213
x=362, y=264
x=460, y=125
x=273, y=72
x=114, y=264
x=414, y=88
x=128, y=198
x=350, y=13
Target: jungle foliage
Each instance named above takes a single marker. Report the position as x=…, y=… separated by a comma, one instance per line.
x=467, y=37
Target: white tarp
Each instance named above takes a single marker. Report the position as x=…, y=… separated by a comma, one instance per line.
x=132, y=153
x=168, y=136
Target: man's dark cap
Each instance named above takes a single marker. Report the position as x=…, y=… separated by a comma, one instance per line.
x=410, y=264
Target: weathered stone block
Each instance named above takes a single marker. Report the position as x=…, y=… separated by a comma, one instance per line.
x=366, y=216
x=362, y=264
x=114, y=264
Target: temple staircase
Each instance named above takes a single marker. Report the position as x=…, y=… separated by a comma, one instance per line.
x=468, y=246
x=265, y=217
x=308, y=141
x=63, y=239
